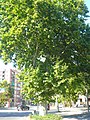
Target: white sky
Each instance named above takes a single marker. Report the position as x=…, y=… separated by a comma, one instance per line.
x=10, y=65
x=88, y=5
x=2, y=65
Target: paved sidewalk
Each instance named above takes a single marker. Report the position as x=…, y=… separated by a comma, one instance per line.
x=67, y=110
x=10, y=108
x=71, y=113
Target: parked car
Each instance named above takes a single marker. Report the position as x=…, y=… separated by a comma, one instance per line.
x=22, y=107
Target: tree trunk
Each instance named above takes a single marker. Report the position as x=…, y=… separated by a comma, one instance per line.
x=87, y=99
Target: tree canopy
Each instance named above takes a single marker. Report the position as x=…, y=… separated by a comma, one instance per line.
x=37, y=34
x=5, y=93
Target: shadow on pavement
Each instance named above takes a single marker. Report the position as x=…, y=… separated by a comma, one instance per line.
x=73, y=113
x=82, y=116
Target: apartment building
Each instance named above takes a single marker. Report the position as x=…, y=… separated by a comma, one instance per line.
x=10, y=75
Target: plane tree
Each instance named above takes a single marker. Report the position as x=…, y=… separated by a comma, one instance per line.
x=37, y=33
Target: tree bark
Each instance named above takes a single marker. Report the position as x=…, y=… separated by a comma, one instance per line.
x=87, y=100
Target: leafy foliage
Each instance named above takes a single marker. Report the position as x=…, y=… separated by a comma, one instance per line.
x=46, y=117
x=41, y=28
x=5, y=93
x=49, y=41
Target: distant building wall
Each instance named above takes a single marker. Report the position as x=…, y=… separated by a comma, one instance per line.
x=10, y=76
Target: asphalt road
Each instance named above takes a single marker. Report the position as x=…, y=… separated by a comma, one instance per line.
x=14, y=115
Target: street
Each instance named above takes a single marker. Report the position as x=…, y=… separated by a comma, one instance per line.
x=14, y=114
x=66, y=113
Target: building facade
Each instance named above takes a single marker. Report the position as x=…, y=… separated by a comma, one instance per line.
x=10, y=75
